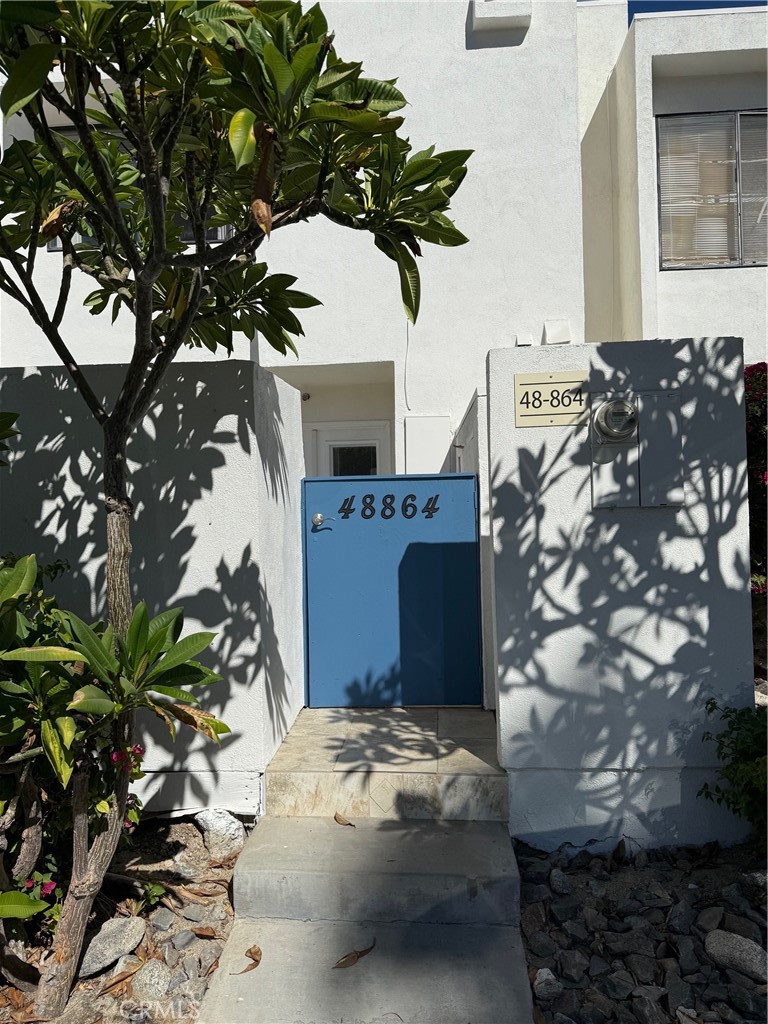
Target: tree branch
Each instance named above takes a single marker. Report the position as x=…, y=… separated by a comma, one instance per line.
x=40, y=315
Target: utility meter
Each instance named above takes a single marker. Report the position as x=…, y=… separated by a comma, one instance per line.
x=615, y=421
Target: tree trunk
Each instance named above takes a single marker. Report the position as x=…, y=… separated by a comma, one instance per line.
x=119, y=511
x=89, y=866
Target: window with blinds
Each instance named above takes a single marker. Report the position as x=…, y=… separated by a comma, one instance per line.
x=713, y=190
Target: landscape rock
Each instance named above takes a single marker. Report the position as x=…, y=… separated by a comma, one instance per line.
x=746, y=1002
x=162, y=919
x=533, y=918
x=565, y=909
x=151, y=982
x=679, y=992
x=754, y=885
x=643, y=967
x=573, y=964
x=209, y=954
x=223, y=833
x=559, y=882
x=183, y=939
x=530, y=893
x=648, y=1012
x=125, y=963
x=630, y=942
x=641, y=859
x=727, y=949
x=535, y=870
x=546, y=987
x=114, y=939
x=709, y=919
x=681, y=917
x=686, y=956
x=741, y=926
x=576, y=931
x=540, y=944
x=618, y=985
x=196, y=912
x=598, y=966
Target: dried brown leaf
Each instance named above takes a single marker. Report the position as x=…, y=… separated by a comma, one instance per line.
x=262, y=214
x=214, y=967
x=192, y=896
x=119, y=979
x=206, y=932
x=538, y=1016
x=254, y=953
x=341, y=820
x=350, y=959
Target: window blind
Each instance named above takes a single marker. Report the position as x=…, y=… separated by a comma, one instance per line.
x=698, y=192
x=753, y=167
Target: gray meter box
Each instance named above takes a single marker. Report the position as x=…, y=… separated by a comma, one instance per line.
x=644, y=470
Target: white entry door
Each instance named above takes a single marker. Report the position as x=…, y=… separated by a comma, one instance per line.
x=360, y=448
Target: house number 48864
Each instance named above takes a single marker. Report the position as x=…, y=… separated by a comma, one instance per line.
x=408, y=507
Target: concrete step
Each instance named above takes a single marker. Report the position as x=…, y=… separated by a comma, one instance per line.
x=440, y=872
x=416, y=974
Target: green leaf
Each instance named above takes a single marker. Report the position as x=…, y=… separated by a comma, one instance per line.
x=42, y=654
x=304, y=64
x=27, y=76
x=15, y=689
x=19, y=580
x=336, y=74
x=102, y=807
x=280, y=73
x=382, y=97
x=416, y=172
x=436, y=229
x=410, y=287
x=174, y=693
x=181, y=652
x=59, y=757
x=67, y=730
x=241, y=138
x=103, y=664
x=191, y=673
x=90, y=700
x=138, y=632
x=18, y=904
x=174, y=618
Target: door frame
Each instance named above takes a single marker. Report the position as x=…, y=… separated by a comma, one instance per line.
x=320, y=438
x=304, y=567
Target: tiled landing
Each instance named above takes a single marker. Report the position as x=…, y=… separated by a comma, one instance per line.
x=395, y=763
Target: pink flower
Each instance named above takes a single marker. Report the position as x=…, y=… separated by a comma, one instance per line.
x=138, y=750
x=115, y=756
x=29, y=884
x=47, y=888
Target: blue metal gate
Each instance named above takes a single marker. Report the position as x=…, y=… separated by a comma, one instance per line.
x=392, y=591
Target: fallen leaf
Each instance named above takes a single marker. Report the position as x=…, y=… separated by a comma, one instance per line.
x=350, y=959
x=119, y=980
x=254, y=953
x=538, y=1016
x=228, y=862
x=214, y=967
x=192, y=896
x=206, y=932
x=341, y=820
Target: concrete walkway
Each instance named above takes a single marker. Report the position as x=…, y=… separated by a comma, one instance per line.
x=441, y=900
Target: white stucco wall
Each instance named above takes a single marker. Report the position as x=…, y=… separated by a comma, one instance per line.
x=669, y=63
x=519, y=205
x=601, y=29
x=614, y=626
x=469, y=454
x=215, y=471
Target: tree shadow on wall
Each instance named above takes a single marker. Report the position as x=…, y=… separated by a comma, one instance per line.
x=605, y=617
x=52, y=507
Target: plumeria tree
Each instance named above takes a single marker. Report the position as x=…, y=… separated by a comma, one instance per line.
x=188, y=115
x=154, y=123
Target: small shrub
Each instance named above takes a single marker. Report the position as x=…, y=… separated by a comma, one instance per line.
x=741, y=750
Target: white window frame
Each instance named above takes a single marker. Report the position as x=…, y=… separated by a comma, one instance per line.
x=736, y=265
x=321, y=438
